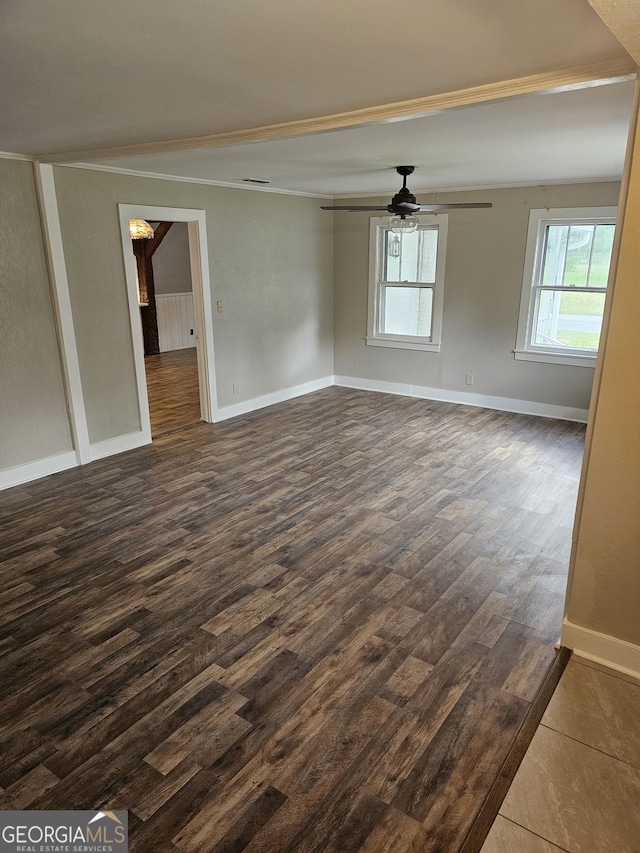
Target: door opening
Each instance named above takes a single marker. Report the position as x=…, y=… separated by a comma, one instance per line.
x=168, y=327
x=171, y=320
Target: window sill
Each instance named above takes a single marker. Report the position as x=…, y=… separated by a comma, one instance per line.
x=398, y=343
x=556, y=358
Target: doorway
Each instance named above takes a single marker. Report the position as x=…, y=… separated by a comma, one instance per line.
x=168, y=327
x=176, y=377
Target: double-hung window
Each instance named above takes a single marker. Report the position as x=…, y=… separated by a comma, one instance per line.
x=406, y=280
x=565, y=283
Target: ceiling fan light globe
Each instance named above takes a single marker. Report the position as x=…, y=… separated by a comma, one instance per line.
x=403, y=224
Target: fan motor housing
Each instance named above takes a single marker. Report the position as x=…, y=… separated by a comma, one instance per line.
x=404, y=195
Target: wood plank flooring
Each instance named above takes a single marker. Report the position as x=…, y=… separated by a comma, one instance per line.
x=172, y=386
x=318, y=627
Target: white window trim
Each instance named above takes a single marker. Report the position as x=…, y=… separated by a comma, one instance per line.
x=538, y=221
x=379, y=339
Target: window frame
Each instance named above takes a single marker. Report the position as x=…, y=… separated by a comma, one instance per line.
x=539, y=220
x=379, y=225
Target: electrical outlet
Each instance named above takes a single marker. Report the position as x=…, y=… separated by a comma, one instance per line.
x=468, y=379
x=236, y=388
x=219, y=308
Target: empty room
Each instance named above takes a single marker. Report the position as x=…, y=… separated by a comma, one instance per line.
x=320, y=427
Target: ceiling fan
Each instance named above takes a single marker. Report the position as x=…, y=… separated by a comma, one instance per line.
x=404, y=205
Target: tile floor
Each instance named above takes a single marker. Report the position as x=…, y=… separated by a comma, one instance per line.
x=578, y=787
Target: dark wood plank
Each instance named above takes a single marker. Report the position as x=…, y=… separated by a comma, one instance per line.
x=174, y=395
x=490, y=807
x=326, y=625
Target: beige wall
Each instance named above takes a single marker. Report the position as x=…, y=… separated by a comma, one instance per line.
x=33, y=414
x=604, y=586
x=270, y=257
x=484, y=267
x=271, y=265
x=171, y=266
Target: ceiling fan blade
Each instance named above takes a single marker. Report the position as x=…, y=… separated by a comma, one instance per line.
x=350, y=208
x=404, y=203
x=425, y=208
x=405, y=207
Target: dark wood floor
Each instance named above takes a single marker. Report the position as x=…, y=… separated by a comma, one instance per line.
x=172, y=386
x=317, y=627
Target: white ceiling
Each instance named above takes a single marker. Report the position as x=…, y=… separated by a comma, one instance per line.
x=82, y=74
x=565, y=136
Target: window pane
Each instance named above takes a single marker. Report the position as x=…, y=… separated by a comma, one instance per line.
x=601, y=257
x=577, y=255
x=576, y=266
x=392, y=251
x=412, y=256
x=569, y=319
x=407, y=311
x=554, y=254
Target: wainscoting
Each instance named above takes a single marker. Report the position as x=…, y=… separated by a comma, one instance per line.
x=176, y=328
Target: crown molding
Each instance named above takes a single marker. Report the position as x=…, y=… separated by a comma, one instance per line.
x=9, y=155
x=379, y=194
x=485, y=187
x=116, y=170
x=598, y=73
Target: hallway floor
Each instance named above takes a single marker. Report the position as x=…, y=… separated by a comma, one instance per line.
x=172, y=386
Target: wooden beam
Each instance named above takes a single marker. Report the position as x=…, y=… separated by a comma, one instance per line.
x=574, y=77
x=139, y=252
x=622, y=17
x=159, y=234
x=146, y=288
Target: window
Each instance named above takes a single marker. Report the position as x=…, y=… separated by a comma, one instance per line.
x=406, y=278
x=565, y=283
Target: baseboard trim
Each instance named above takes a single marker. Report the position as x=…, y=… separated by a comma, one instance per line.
x=119, y=444
x=20, y=474
x=601, y=648
x=465, y=398
x=226, y=412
